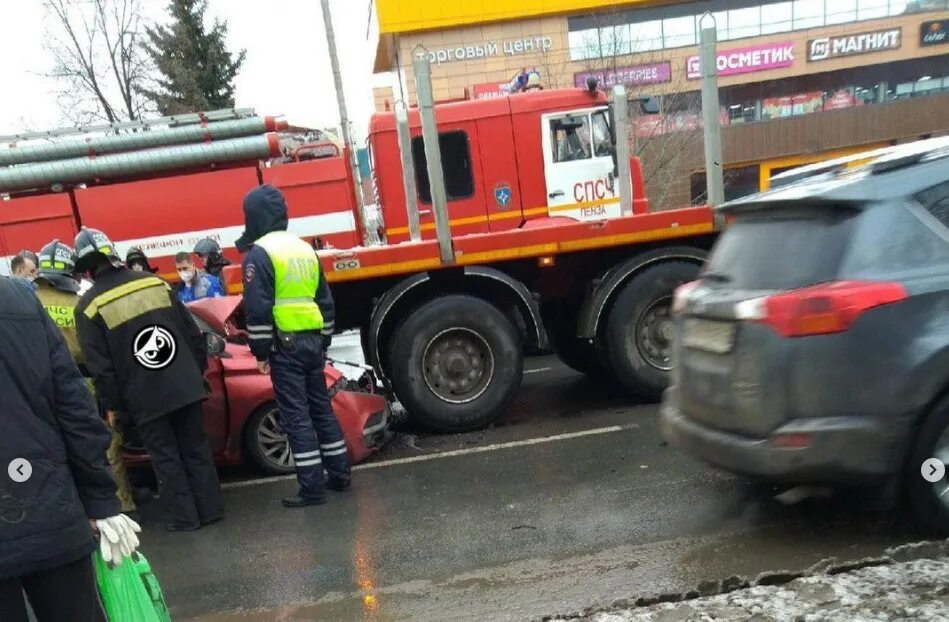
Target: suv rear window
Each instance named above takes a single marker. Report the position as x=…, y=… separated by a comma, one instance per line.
x=781, y=249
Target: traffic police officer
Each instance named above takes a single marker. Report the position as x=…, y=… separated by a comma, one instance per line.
x=147, y=357
x=290, y=314
x=58, y=291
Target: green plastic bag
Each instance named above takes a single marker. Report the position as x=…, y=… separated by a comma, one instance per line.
x=130, y=592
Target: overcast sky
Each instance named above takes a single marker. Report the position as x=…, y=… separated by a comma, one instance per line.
x=287, y=70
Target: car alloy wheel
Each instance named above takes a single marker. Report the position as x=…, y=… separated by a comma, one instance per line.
x=273, y=441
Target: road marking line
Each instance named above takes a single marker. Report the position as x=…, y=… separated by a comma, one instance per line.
x=538, y=370
x=450, y=454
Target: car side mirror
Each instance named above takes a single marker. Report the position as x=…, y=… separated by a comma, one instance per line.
x=214, y=344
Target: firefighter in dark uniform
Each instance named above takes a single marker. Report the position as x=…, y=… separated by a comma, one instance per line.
x=58, y=291
x=210, y=253
x=290, y=314
x=147, y=358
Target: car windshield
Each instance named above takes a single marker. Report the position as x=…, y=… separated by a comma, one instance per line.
x=781, y=249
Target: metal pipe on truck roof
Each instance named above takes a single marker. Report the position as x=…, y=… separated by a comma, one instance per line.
x=711, y=111
x=422, y=67
x=39, y=175
x=621, y=132
x=408, y=170
x=115, y=143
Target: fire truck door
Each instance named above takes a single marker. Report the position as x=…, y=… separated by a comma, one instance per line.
x=578, y=165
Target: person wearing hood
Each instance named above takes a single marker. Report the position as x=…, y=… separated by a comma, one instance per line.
x=212, y=257
x=290, y=318
x=136, y=260
x=58, y=291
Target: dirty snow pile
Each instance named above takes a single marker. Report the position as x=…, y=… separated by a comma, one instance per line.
x=913, y=590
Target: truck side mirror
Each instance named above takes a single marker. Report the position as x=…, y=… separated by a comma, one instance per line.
x=648, y=105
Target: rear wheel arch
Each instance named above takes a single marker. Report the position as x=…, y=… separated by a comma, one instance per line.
x=488, y=284
x=595, y=308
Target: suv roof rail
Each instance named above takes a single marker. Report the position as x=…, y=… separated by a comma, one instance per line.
x=911, y=153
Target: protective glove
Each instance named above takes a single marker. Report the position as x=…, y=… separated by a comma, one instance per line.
x=117, y=539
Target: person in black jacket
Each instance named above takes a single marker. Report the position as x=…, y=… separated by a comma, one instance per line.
x=147, y=358
x=56, y=486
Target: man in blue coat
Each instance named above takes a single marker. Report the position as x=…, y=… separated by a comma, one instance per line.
x=56, y=486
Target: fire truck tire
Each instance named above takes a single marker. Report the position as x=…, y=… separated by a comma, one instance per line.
x=457, y=363
x=638, y=334
x=560, y=320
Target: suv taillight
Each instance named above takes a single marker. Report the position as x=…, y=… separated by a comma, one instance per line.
x=681, y=296
x=820, y=309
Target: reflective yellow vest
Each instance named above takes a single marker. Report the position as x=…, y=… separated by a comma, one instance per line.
x=296, y=279
x=61, y=307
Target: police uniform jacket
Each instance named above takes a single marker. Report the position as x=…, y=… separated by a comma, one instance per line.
x=140, y=345
x=48, y=418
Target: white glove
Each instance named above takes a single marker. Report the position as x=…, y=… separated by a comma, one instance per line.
x=117, y=538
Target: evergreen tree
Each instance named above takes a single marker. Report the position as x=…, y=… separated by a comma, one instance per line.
x=197, y=71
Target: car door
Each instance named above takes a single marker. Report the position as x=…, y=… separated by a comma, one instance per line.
x=579, y=165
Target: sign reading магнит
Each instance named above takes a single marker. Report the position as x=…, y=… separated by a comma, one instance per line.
x=746, y=60
x=826, y=48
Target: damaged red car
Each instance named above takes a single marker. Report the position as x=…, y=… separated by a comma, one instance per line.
x=240, y=415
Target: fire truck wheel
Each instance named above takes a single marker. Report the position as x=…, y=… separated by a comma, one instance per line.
x=639, y=328
x=456, y=363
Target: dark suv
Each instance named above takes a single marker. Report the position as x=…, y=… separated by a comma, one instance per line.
x=814, y=347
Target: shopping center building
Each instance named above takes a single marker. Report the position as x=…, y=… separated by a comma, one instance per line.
x=799, y=81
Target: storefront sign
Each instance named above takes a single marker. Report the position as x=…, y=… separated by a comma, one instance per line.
x=935, y=32
x=632, y=75
x=850, y=45
x=843, y=98
x=746, y=60
x=792, y=105
x=488, y=49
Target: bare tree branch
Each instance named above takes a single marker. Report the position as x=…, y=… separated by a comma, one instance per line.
x=98, y=58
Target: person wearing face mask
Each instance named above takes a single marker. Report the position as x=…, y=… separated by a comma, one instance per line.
x=136, y=260
x=195, y=284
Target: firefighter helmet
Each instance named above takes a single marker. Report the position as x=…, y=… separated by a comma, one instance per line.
x=57, y=258
x=205, y=247
x=92, y=244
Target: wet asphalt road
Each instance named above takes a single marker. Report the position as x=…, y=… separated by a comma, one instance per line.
x=571, y=500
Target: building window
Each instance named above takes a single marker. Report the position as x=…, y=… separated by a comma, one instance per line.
x=808, y=14
x=744, y=22
x=646, y=36
x=678, y=31
x=456, y=166
x=841, y=11
x=615, y=41
x=584, y=44
x=777, y=18
x=872, y=9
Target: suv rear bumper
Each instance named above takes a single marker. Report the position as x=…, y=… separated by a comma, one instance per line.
x=841, y=449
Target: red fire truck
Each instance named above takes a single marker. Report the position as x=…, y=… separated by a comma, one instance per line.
x=551, y=239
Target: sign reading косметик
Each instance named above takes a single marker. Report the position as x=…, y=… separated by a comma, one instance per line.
x=746, y=60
